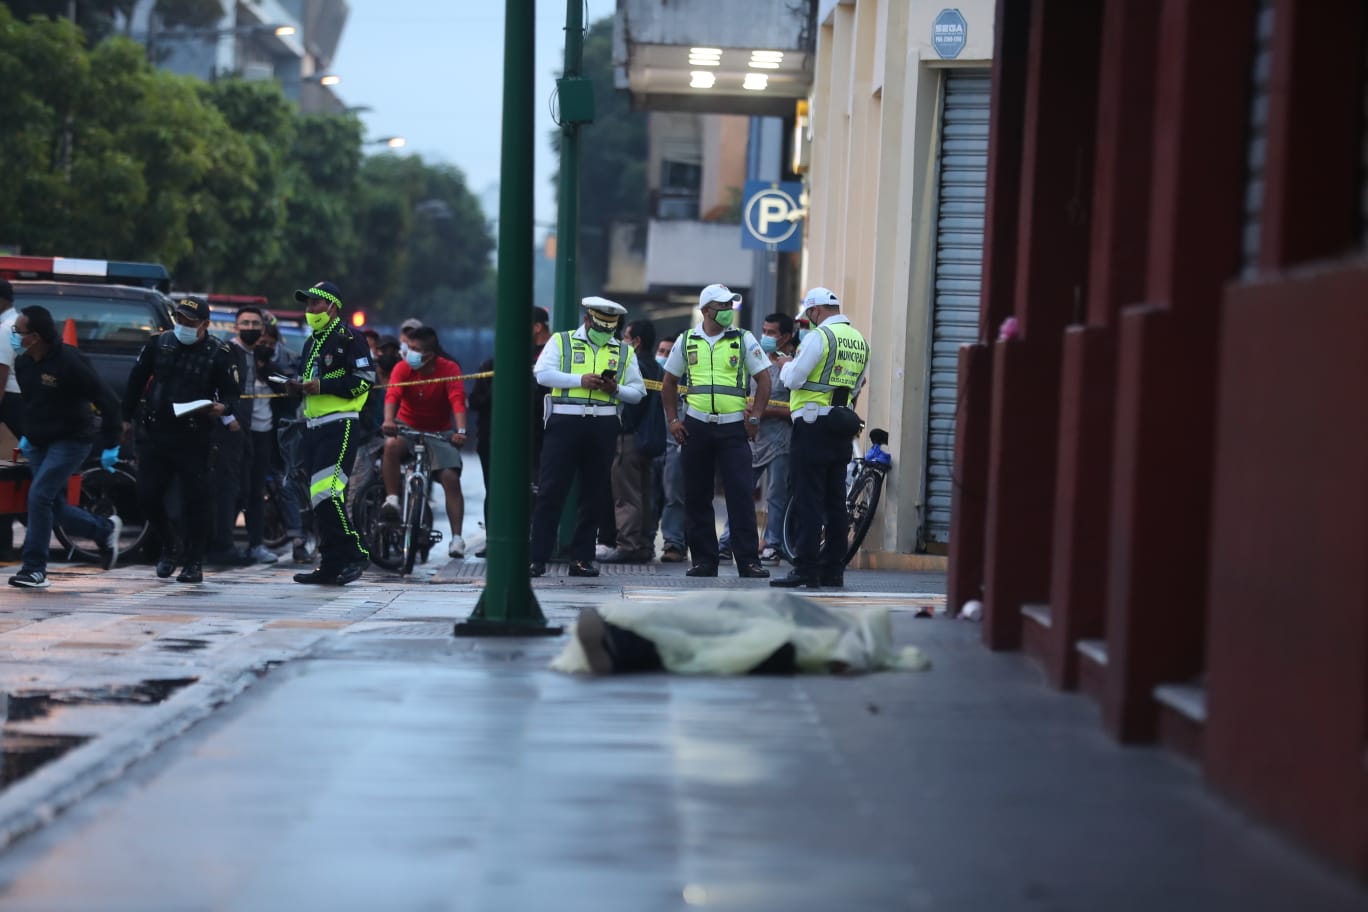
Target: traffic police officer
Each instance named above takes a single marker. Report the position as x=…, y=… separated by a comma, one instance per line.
x=825, y=376
x=336, y=376
x=591, y=374
x=180, y=366
x=714, y=433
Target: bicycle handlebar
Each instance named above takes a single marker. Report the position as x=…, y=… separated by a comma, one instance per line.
x=411, y=434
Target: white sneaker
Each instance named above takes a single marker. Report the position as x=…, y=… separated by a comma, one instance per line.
x=263, y=555
x=456, y=547
x=601, y=552
x=109, y=553
x=390, y=508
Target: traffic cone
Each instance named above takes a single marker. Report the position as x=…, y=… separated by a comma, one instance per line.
x=69, y=333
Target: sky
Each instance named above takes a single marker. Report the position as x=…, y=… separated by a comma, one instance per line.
x=431, y=71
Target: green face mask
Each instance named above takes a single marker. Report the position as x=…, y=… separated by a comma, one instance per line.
x=724, y=317
x=599, y=336
x=317, y=321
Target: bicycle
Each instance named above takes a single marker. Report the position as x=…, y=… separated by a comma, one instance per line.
x=104, y=493
x=399, y=545
x=862, y=498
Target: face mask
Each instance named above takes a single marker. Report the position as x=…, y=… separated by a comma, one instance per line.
x=413, y=359
x=801, y=334
x=317, y=321
x=186, y=335
x=403, y=349
x=249, y=336
x=599, y=336
x=387, y=362
x=16, y=342
x=661, y=359
x=769, y=344
x=724, y=318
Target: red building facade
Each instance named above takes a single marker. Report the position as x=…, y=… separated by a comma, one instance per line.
x=1163, y=477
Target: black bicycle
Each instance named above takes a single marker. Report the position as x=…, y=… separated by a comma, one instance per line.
x=862, y=497
x=400, y=544
x=105, y=493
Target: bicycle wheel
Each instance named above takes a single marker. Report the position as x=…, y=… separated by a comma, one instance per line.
x=788, y=538
x=104, y=493
x=415, y=526
x=860, y=505
x=273, y=522
x=382, y=539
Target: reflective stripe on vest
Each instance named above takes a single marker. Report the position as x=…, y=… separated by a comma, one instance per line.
x=320, y=404
x=844, y=357
x=718, y=383
x=578, y=357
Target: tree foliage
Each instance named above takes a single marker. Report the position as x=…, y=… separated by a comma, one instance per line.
x=224, y=183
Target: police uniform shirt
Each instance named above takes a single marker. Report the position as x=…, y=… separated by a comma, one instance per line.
x=756, y=359
x=809, y=356
x=631, y=387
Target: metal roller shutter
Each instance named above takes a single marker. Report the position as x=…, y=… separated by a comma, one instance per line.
x=1258, y=135
x=959, y=263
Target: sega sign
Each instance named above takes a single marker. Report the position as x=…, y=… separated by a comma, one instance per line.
x=771, y=216
x=949, y=33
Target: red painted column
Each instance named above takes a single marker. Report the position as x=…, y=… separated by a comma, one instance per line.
x=1287, y=652
x=1078, y=578
x=1162, y=468
x=1051, y=286
x=969, y=501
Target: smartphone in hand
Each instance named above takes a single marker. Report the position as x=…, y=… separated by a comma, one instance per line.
x=609, y=374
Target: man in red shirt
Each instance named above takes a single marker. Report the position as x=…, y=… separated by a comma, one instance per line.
x=437, y=408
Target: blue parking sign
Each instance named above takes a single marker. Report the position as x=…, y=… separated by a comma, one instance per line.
x=771, y=216
x=949, y=32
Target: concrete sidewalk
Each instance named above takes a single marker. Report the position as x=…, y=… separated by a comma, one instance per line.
x=398, y=768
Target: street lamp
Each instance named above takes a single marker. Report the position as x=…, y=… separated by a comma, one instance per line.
x=394, y=142
x=323, y=79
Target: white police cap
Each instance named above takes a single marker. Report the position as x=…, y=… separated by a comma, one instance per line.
x=603, y=306
x=817, y=297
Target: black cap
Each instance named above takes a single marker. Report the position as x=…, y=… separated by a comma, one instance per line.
x=193, y=309
x=6, y=291
x=387, y=340
x=541, y=315
x=325, y=290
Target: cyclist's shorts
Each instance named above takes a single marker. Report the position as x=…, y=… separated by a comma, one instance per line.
x=442, y=454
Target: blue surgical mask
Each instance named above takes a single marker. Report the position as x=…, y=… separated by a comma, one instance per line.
x=802, y=334
x=413, y=359
x=186, y=335
x=661, y=359
x=16, y=342
x=769, y=344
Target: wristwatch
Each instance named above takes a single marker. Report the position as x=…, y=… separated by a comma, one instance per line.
x=752, y=421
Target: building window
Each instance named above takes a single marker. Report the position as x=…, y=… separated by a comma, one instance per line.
x=679, y=186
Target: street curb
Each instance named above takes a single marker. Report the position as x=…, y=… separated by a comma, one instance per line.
x=893, y=560
x=36, y=800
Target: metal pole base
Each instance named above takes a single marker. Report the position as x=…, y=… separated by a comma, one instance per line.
x=479, y=627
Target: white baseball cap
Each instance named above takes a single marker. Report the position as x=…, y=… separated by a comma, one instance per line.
x=715, y=293
x=817, y=297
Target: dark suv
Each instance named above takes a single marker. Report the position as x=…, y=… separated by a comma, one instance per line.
x=116, y=307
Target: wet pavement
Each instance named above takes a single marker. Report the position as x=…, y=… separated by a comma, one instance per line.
x=252, y=744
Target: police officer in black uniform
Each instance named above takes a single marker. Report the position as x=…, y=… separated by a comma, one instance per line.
x=335, y=379
x=183, y=365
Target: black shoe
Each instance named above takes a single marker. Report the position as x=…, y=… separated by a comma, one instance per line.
x=536, y=568
x=165, y=567
x=583, y=568
x=300, y=553
x=796, y=579
x=724, y=555
x=317, y=577
x=191, y=573
x=483, y=552
x=702, y=570
x=752, y=571
x=835, y=581
x=352, y=571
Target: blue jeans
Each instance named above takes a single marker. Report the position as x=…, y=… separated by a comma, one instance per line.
x=672, y=515
x=776, y=500
x=51, y=466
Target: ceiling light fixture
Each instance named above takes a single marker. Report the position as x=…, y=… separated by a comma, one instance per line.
x=756, y=82
x=700, y=79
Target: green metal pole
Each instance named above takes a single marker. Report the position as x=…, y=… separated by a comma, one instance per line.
x=507, y=607
x=566, y=313
x=565, y=310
